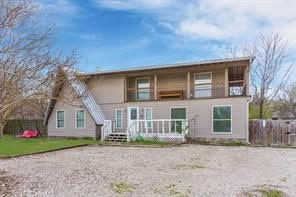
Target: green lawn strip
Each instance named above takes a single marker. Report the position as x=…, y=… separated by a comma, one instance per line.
x=11, y=146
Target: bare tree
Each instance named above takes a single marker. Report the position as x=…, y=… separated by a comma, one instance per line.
x=269, y=73
x=28, y=61
x=286, y=105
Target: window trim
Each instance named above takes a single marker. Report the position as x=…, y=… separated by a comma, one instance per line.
x=211, y=73
x=76, y=125
x=136, y=88
x=119, y=109
x=57, y=119
x=177, y=107
x=225, y=119
x=203, y=84
x=145, y=118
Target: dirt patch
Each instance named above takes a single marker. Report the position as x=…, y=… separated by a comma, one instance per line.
x=7, y=184
x=187, y=170
x=172, y=190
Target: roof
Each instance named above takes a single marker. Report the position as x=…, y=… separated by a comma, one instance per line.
x=82, y=91
x=167, y=66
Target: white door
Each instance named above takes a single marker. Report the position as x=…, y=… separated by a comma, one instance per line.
x=132, y=114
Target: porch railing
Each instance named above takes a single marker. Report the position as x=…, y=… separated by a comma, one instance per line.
x=157, y=127
x=106, y=129
x=140, y=94
x=180, y=93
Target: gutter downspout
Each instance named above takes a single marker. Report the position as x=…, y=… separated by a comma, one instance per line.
x=248, y=102
x=247, y=126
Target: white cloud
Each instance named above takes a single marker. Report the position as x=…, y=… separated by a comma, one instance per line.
x=231, y=21
x=58, y=7
x=59, y=12
x=133, y=4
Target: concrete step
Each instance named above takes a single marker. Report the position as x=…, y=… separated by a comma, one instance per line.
x=117, y=134
x=116, y=140
x=116, y=137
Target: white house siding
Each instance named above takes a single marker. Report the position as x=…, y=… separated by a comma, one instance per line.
x=200, y=107
x=68, y=103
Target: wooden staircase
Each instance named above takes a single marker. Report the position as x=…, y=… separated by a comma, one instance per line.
x=116, y=137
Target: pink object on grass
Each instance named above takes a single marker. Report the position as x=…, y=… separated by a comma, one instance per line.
x=29, y=134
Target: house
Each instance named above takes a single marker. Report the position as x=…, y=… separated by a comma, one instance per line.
x=206, y=100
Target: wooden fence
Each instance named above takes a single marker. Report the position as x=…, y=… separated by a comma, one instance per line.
x=272, y=132
x=14, y=127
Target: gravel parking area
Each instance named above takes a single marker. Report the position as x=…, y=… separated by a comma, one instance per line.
x=188, y=170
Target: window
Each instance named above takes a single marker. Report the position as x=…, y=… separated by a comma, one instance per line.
x=119, y=119
x=60, y=119
x=236, y=81
x=148, y=116
x=203, y=85
x=178, y=113
x=80, y=119
x=143, y=88
x=222, y=119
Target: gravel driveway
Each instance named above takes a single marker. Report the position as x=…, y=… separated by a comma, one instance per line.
x=188, y=170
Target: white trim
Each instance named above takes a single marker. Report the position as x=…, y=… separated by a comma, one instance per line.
x=222, y=119
x=119, y=109
x=57, y=119
x=76, y=126
x=198, y=73
x=151, y=116
x=202, y=84
x=176, y=107
x=136, y=87
x=128, y=114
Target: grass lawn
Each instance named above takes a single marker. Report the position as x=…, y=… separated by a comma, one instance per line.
x=12, y=146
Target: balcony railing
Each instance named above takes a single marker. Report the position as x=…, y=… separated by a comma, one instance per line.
x=196, y=92
x=140, y=94
x=208, y=91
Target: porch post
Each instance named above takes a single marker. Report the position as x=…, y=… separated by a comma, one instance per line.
x=246, y=80
x=155, y=87
x=188, y=85
x=226, y=83
x=125, y=88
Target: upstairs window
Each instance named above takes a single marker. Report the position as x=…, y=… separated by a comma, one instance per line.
x=203, y=85
x=60, y=122
x=143, y=88
x=236, y=81
x=80, y=119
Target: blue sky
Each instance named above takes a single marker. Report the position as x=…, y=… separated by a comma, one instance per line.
x=110, y=34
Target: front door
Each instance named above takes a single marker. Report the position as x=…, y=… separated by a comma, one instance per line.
x=178, y=113
x=132, y=114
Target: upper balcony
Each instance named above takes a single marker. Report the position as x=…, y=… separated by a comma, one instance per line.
x=187, y=84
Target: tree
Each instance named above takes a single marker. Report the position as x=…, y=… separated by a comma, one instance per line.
x=28, y=61
x=269, y=74
x=286, y=106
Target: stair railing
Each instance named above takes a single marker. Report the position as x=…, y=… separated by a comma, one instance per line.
x=106, y=129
